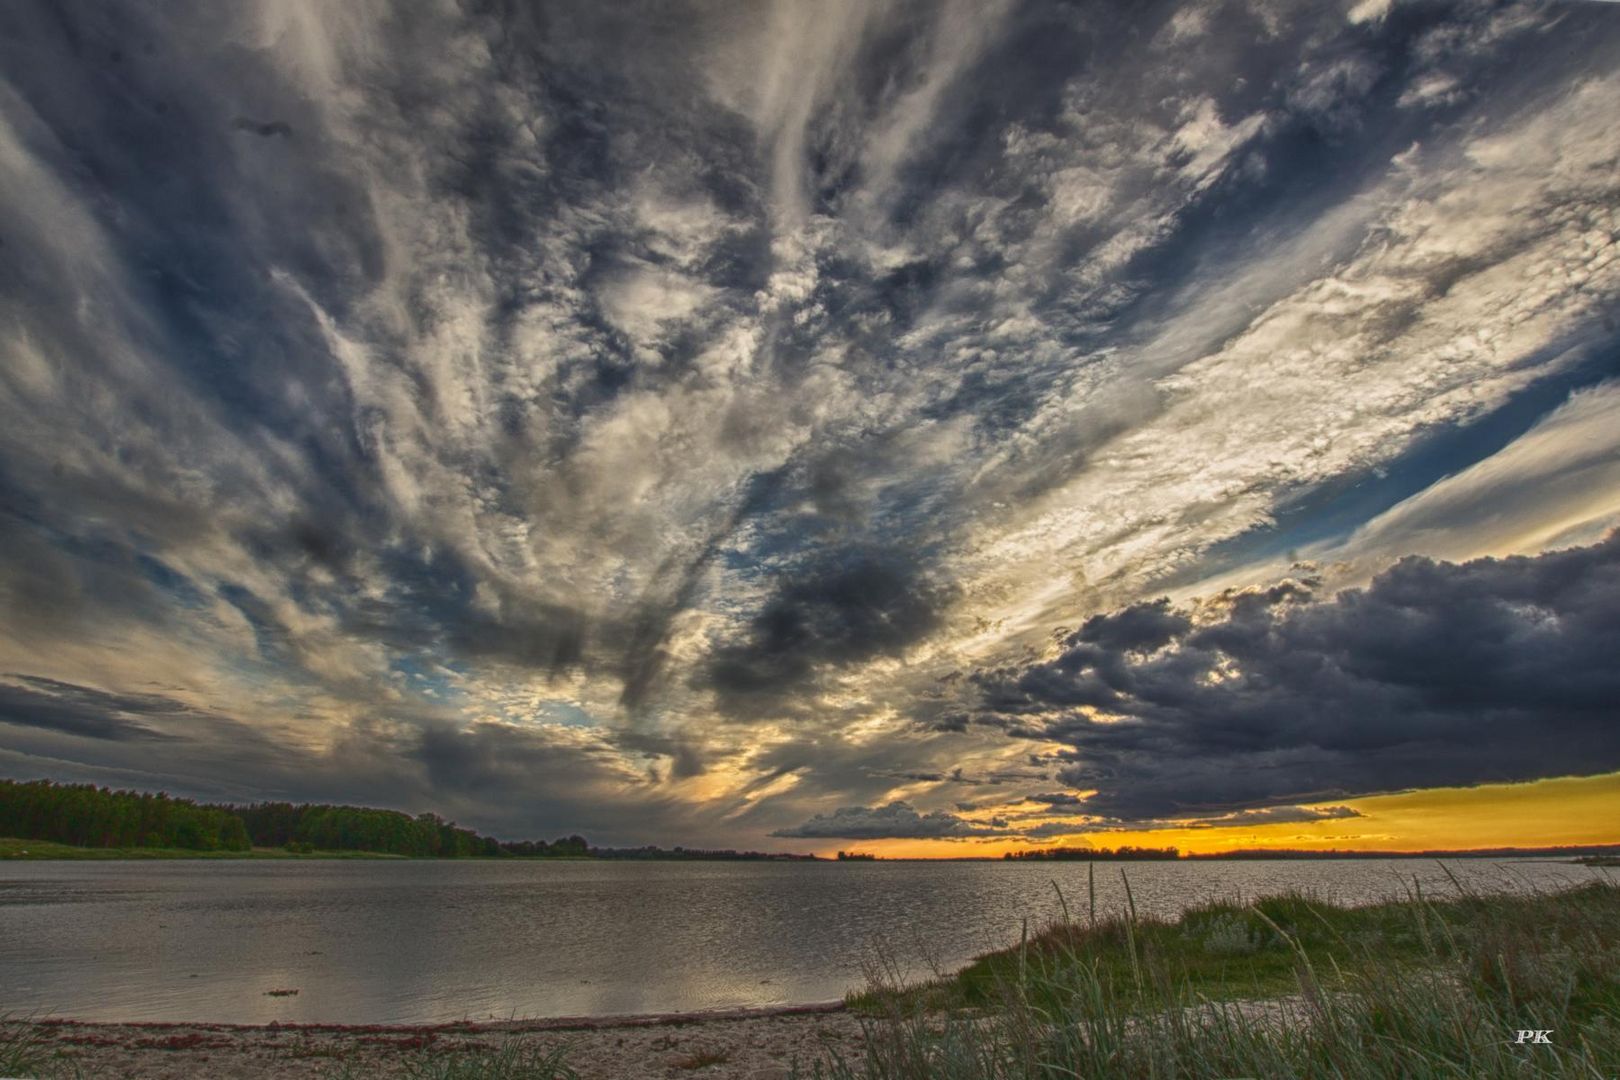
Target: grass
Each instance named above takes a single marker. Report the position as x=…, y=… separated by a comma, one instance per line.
x=11, y=848
x=1287, y=986
x=24, y=1051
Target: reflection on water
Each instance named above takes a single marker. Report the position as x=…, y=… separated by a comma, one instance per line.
x=421, y=942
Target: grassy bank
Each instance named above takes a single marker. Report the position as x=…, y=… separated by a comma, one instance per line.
x=1287, y=986
x=44, y=849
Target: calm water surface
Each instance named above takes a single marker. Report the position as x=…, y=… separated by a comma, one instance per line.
x=421, y=942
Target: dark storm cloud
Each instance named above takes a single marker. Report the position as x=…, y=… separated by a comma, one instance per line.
x=902, y=821
x=1269, y=815
x=1069, y=808
x=266, y=128
x=864, y=605
x=85, y=711
x=896, y=820
x=491, y=757
x=916, y=777
x=1140, y=627
x=1434, y=674
x=1283, y=815
x=536, y=636
x=955, y=776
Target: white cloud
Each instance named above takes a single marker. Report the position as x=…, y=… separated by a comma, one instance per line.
x=1557, y=483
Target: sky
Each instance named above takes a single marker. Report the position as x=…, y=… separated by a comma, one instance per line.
x=929, y=428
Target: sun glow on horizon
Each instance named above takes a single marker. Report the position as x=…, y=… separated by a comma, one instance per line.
x=1566, y=811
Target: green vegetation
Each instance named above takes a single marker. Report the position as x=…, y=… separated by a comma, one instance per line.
x=68, y=819
x=24, y=1051
x=88, y=816
x=12, y=848
x=1288, y=986
x=310, y=827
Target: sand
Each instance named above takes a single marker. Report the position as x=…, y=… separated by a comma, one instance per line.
x=759, y=1044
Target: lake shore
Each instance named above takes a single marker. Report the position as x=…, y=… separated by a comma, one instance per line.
x=1286, y=984
x=743, y=1044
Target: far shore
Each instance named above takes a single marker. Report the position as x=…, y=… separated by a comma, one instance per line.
x=12, y=849
x=44, y=850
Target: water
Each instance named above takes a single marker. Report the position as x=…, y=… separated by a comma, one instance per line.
x=426, y=942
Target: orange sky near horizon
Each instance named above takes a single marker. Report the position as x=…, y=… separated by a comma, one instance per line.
x=1542, y=813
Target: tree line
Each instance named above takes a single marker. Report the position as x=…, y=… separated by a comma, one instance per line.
x=1082, y=854
x=88, y=816
x=321, y=827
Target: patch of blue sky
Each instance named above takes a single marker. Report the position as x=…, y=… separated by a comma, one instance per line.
x=566, y=713
x=1331, y=512
x=430, y=678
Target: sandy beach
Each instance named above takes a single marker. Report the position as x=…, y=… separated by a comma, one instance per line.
x=755, y=1044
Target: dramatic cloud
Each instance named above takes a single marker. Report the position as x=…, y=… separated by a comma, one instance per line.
x=646, y=416
x=83, y=711
x=868, y=607
x=1434, y=674
x=897, y=819
x=901, y=821
x=1282, y=815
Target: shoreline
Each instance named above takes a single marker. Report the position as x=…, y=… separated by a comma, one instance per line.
x=532, y=1024
x=756, y=1043
x=1209, y=985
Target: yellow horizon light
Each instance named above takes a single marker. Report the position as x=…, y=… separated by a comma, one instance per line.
x=1562, y=812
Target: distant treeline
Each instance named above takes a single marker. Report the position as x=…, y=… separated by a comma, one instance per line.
x=88, y=816
x=1069, y=854
x=311, y=827
x=566, y=847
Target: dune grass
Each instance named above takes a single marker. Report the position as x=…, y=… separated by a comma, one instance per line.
x=1287, y=986
x=24, y=1052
